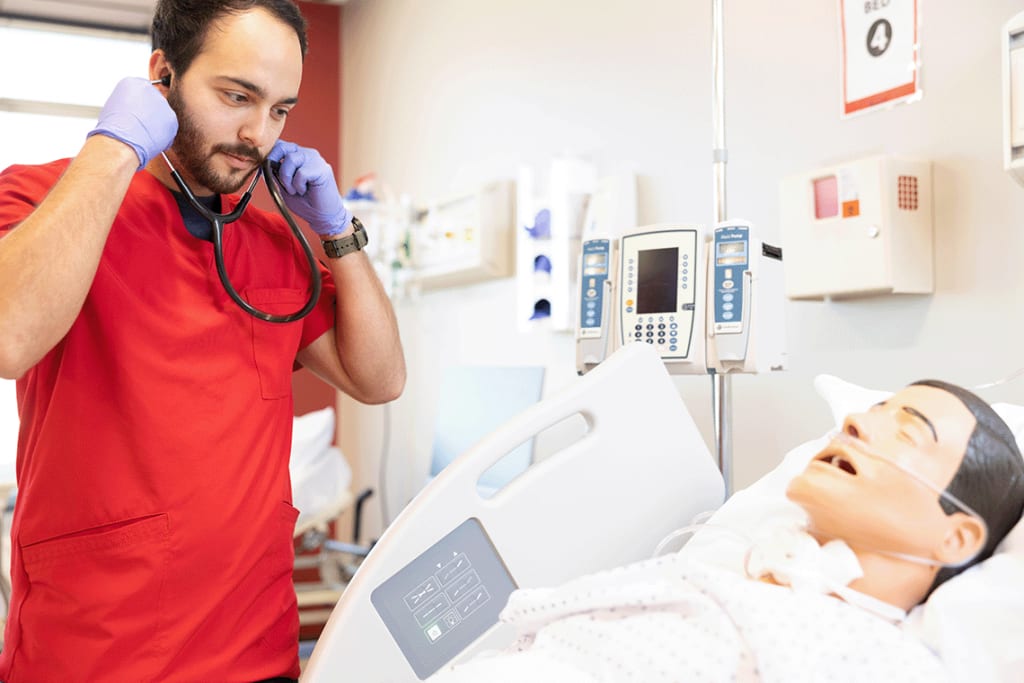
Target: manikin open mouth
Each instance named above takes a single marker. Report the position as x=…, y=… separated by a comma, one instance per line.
x=837, y=460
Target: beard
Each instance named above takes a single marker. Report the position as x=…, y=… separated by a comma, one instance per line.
x=194, y=153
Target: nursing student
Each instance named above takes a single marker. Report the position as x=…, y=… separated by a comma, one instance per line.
x=152, y=536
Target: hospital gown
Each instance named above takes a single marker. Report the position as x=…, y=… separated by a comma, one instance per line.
x=677, y=619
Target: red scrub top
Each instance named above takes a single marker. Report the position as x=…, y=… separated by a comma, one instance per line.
x=152, y=537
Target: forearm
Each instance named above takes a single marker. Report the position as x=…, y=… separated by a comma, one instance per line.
x=368, y=344
x=48, y=262
x=362, y=355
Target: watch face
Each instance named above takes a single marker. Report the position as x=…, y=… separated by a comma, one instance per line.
x=359, y=232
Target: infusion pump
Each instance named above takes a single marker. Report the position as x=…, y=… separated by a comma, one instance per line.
x=707, y=301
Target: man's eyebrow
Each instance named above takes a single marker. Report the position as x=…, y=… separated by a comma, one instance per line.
x=910, y=410
x=257, y=90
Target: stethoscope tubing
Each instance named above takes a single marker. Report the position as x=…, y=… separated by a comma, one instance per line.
x=219, y=220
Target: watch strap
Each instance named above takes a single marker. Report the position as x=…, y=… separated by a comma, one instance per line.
x=354, y=241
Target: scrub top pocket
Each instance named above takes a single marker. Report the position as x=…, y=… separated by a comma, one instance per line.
x=275, y=345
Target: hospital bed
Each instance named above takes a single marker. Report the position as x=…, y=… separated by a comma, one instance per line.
x=567, y=515
x=563, y=518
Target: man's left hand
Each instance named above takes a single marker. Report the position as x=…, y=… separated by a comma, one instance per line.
x=310, y=188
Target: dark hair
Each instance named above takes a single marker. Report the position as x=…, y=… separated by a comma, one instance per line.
x=180, y=26
x=990, y=478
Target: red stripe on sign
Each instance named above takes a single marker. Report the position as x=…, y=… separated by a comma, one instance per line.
x=879, y=98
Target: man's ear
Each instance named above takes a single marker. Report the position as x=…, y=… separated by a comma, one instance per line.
x=964, y=538
x=160, y=68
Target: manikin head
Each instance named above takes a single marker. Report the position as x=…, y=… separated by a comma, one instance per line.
x=946, y=436
x=234, y=69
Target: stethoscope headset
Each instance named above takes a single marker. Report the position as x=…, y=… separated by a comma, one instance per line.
x=219, y=220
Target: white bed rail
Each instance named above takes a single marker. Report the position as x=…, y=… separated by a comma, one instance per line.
x=641, y=471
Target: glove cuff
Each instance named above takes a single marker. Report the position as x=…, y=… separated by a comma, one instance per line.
x=139, y=151
x=334, y=227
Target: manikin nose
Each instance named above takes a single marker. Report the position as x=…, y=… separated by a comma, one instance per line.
x=855, y=425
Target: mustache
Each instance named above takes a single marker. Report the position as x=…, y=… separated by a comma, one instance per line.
x=241, y=150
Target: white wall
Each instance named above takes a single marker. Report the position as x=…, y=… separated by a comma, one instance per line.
x=440, y=96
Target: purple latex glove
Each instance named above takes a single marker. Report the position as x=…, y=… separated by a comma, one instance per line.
x=137, y=114
x=310, y=188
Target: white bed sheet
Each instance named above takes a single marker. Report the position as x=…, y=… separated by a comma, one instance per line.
x=675, y=619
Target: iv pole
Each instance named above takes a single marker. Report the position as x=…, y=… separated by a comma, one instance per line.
x=721, y=384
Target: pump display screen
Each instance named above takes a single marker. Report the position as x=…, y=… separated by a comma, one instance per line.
x=657, y=280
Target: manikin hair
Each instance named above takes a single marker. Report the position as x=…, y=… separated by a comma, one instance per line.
x=990, y=478
x=180, y=27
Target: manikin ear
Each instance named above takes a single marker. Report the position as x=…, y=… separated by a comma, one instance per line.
x=964, y=538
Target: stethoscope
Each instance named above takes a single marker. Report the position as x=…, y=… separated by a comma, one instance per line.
x=219, y=220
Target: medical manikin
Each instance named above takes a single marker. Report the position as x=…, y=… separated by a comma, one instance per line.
x=919, y=487
x=904, y=496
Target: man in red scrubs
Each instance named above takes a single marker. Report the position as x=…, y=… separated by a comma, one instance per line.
x=152, y=537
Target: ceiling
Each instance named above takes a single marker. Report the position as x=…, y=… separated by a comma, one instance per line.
x=132, y=15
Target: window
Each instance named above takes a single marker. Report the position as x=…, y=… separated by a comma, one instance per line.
x=64, y=75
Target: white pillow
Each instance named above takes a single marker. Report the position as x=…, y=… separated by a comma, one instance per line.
x=974, y=621
x=313, y=433
x=320, y=474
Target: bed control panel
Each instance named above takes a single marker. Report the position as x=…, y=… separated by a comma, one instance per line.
x=446, y=598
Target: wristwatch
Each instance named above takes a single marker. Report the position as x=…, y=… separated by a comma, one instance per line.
x=347, y=244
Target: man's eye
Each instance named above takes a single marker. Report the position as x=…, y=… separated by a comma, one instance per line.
x=281, y=113
x=237, y=98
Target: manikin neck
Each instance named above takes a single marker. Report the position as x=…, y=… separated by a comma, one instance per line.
x=894, y=580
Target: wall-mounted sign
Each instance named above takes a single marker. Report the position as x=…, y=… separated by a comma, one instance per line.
x=881, y=57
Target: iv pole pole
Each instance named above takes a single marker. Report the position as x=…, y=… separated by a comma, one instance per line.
x=721, y=384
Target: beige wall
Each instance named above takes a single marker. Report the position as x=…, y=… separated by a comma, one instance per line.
x=440, y=96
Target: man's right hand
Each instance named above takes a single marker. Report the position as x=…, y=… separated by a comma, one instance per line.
x=137, y=114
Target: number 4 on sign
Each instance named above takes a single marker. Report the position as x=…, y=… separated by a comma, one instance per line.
x=879, y=37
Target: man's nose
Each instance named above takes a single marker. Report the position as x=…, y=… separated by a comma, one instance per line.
x=257, y=130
